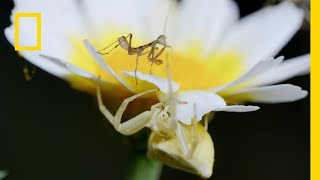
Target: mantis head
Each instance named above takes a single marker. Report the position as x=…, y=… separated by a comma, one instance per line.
x=162, y=40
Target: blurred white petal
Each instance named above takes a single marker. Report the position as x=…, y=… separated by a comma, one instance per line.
x=104, y=16
x=287, y=69
x=59, y=20
x=74, y=69
x=33, y=57
x=56, y=30
x=272, y=94
x=204, y=21
x=258, y=69
x=154, y=17
x=238, y=108
x=264, y=33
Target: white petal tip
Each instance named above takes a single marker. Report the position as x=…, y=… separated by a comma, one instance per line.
x=280, y=93
x=161, y=83
x=239, y=108
x=74, y=69
x=87, y=44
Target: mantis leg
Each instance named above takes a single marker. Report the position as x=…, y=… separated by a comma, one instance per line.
x=108, y=47
x=136, y=69
x=129, y=47
x=153, y=57
x=118, y=43
x=152, y=51
x=155, y=51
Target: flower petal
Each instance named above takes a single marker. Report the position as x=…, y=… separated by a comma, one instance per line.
x=33, y=56
x=204, y=21
x=74, y=69
x=56, y=30
x=103, y=16
x=259, y=68
x=159, y=17
x=97, y=57
x=239, y=108
x=264, y=33
x=203, y=101
x=161, y=83
x=290, y=68
x=58, y=25
x=271, y=94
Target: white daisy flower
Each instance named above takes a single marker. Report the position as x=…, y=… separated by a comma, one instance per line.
x=218, y=60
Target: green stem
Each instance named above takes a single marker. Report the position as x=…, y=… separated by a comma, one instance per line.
x=144, y=168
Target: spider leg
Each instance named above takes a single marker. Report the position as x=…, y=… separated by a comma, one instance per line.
x=107, y=114
x=132, y=125
x=205, y=128
x=173, y=122
x=196, y=139
x=181, y=137
x=126, y=128
x=194, y=136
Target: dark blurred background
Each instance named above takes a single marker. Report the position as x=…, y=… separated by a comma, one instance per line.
x=50, y=131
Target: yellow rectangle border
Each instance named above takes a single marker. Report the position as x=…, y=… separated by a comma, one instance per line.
x=16, y=31
x=315, y=90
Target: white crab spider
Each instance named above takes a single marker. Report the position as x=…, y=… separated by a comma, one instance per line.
x=160, y=119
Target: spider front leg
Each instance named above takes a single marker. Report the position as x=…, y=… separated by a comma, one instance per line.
x=195, y=136
x=189, y=146
x=132, y=125
x=181, y=137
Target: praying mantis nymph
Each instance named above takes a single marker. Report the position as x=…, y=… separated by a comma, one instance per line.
x=150, y=48
x=153, y=53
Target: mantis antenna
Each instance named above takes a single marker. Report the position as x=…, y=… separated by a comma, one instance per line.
x=166, y=21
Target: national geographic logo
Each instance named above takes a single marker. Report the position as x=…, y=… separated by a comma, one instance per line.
x=32, y=21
